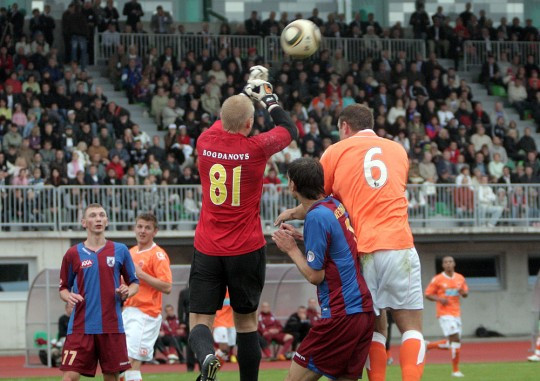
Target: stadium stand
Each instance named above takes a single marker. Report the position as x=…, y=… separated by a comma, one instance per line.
x=62, y=123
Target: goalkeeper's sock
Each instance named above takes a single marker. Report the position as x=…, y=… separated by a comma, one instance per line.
x=201, y=342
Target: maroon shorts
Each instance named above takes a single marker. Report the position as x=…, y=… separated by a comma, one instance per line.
x=337, y=347
x=82, y=352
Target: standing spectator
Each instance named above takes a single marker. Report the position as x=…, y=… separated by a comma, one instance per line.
x=16, y=18
x=253, y=25
x=161, y=21
x=66, y=32
x=111, y=15
x=420, y=22
x=91, y=20
x=134, y=12
x=269, y=23
x=77, y=31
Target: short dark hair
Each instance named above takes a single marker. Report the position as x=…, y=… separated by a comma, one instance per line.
x=148, y=217
x=308, y=177
x=358, y=116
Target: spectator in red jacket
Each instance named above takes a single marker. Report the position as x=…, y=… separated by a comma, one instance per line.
x=172, y=334
x=271, y=329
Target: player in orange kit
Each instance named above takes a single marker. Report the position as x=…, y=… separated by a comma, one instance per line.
x=224, y=331
x=142, y=313
x=445, y=289
x=369, y=175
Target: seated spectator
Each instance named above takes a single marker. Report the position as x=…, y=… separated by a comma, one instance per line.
x=159, y=101
x=172, y=335
x=171, y=114
x=488, y=210
x=490, y=73
x=272, y=331
x=480, y=138
x=527, y=143
x=298, y=325
x=517, y=96
x=496, y=166
x=529, y=177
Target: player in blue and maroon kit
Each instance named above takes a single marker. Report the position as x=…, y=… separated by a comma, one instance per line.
x=229, y=242
x=90, y=281
x=338, y=344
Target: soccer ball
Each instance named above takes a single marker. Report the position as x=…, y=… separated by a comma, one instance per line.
x=300, y=39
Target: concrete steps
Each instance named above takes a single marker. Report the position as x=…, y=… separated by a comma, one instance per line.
x=138, y=114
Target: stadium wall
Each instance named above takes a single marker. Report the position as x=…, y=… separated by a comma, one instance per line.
x=501, y=302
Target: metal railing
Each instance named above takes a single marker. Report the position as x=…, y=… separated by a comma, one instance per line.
x=354, y=49
x=177, y=207
x=106, y=44
x=476, y=52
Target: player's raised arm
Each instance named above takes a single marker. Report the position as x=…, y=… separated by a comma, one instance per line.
x=262, y=92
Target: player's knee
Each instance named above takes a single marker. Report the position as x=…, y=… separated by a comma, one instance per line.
x=245, y=323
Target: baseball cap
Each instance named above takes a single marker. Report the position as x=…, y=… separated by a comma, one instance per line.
x=205, y=115
x=172, y=126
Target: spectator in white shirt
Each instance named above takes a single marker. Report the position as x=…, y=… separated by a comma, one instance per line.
x=445, y=115
x=488, y=208
x=495, y=167
x=480, y=138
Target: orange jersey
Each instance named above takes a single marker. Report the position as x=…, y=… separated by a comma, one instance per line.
x=155, y=262
x=368, y=174
x=224, y=317
x=443, y=286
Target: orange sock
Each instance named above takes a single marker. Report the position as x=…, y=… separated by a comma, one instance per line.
x=376, y=362
x=440, y=344
x=455, y=348
x=411, y=356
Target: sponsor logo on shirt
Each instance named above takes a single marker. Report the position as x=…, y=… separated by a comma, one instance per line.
x=110, y=261
x=86, y=263
x=310, y=256
x=300, y=356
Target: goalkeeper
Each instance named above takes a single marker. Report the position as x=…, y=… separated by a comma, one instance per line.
x=229, y=242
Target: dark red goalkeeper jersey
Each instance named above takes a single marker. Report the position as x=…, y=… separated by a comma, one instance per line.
x=231, y=167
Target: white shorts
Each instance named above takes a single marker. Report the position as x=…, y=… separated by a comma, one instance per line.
x=393, y=278
x=450, y=325
x=142, y=331
x=224, y=335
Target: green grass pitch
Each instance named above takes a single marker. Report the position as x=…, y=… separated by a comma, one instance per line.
x=521, y=371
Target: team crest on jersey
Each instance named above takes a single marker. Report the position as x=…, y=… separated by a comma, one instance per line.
x=160, y=255
x=141, y=263
x=310, y=256
x=110, y=261
x=86, y=263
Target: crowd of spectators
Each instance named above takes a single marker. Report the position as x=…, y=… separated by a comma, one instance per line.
x=57, y=127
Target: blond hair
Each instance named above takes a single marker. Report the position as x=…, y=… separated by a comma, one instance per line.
x=236, y=112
